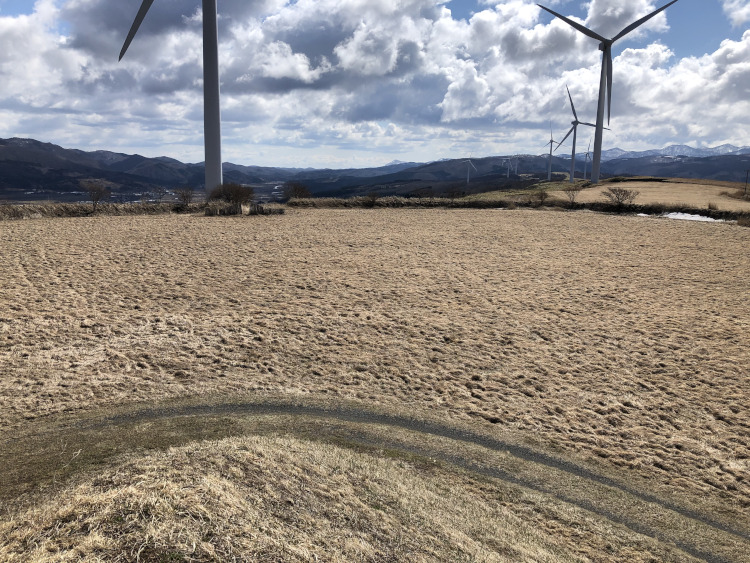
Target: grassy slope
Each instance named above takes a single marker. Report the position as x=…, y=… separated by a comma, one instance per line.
x=283, y=499
x=698, y=194
x=622, y=340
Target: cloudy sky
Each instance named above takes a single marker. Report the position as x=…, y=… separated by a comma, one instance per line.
x=343, y=83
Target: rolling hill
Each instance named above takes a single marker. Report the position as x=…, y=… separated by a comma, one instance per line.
x=33, y=170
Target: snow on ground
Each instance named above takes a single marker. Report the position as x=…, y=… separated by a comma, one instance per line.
x=685, y=217
x=689, y=217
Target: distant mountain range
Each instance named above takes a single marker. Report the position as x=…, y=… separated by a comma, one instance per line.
x=33, y=170
x=676, y=150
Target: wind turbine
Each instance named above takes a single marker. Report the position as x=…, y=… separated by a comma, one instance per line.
x=586, y=162
x=211, y=110
x=573, y=130
x=605, y=83
x=551, y=143
x=469, y=166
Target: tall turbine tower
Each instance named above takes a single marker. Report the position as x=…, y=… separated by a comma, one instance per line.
x=211, y=109
x=605, y=83
x=573, y=130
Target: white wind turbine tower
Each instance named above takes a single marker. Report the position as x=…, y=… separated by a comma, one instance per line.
x=551, y=143
x=211, y=110
x=469, y=166
x=605, y=84
x=573, y=130
x=586, y=162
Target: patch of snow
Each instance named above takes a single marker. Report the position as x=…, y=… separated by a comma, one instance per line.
x=689, y=217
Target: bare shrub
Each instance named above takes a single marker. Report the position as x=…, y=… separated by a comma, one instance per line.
x=97, y=191
x=186, y=195
x=232, y=193
x=620, y=196
x=743, y=221
x=296, y=190
x=572, y=192
x=539, y=197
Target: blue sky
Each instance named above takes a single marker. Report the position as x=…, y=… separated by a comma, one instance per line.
x=15, y=7
x=363, y=82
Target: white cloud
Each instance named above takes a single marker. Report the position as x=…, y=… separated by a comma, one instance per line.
x=609, y=17
x=738, y=11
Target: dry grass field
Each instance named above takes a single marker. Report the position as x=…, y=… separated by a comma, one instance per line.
x=693, y=193
x=620, y=343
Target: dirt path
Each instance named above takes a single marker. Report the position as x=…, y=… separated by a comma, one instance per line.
x=59, y=452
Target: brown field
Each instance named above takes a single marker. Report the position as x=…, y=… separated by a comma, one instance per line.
x=696, y=194
x=619, y=343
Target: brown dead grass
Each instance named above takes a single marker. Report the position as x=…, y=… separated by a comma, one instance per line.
x=260, y=499
x=620, y=339
x=282, y=499
x=674, y=192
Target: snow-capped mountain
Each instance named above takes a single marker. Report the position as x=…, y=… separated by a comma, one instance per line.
x=675, y=150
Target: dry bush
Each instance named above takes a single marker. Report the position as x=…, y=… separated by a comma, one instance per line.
x=97, y=191
x=232, y=193
x=539, y=197
x=185, y=195
x=620, y=196
x=743, y=221
x=229, y=199
x=571, y=192
x=296, y=190
x=737, y=194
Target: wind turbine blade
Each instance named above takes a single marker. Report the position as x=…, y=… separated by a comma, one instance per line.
x=565, y=137
x=589, y=124
x=136, y=24
x=641, y=21
x=575, y=115
x=472, y=165
x=608, y=55
x=576, y=25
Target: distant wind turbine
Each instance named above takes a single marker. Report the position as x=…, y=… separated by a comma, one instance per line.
x=573, y=130
x=551, y=143
x=605, y=84
x=211, y=109
x=469, y=166
x=586, y=162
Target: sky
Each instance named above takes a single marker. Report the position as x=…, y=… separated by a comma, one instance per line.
x=357, y=83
